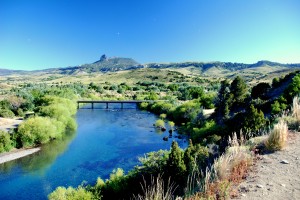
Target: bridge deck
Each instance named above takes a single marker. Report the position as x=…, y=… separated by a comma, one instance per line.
x=92, y=102
x=116, y=101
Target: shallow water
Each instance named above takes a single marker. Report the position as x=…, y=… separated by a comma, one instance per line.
x=104, y=140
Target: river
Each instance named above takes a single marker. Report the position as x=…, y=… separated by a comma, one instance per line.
x=104, y=140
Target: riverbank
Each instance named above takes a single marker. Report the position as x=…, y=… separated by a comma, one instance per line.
x=275, y=175
x=17, y=153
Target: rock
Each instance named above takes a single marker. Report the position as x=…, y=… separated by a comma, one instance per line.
x=170, y=131
x=259, y=186
x=166, y=138
x=243, y=195
x=284, y=162
x=103, y=58
x=163, y=129
x=283, y=185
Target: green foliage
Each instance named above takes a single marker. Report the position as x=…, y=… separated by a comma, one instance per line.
x=171, y=124
x=222, y=101
x=260, y=90
x=143, y=105
x=5, y=142
x=195, y=157
x=189, y=93
x=293, y=89
x=70, y=193
x=175, y=164
x=209, y=128
x=186, y=112
x=39, y=130
x=275, y=82
x=173, y=87
x=154, y=162
x=6, y=113
x=254, y=120
x=159, y=123
x=163, y=116
x=277, y=107
x=117, y=181
x=239, y=89
x=152, y=96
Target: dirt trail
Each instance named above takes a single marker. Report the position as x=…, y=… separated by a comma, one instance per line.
x=275, y=176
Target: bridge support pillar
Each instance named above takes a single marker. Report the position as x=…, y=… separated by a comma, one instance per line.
x=121, y=105
x=92, y=105
x=106, y=105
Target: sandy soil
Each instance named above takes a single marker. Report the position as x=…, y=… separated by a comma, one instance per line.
x=275, y=176
x=7, y=124
x=17, y=153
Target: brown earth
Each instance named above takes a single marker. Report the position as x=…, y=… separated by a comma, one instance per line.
x=275, y=176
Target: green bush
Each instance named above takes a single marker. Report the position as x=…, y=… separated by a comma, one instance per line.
x=6, y=113
x=62, y=193
x=160, y=123
x=5, y=142
x=39, y=130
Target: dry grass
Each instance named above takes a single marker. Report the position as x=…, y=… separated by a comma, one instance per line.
x=226, y=173
x=157, y=190
x=278, y=137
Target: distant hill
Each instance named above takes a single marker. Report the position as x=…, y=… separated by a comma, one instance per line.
x=224, y=65
x=114, y=64
x=103, y=65
x=4, y=72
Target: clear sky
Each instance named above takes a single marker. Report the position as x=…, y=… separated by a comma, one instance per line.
x=37, y=34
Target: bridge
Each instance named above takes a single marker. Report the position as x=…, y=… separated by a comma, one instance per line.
x=92, y=102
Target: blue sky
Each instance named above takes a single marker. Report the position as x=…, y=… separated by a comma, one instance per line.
x=37, y=34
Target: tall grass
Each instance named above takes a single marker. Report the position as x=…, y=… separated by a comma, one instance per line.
x=157, y=190
x=227, y=172
x=278, y=136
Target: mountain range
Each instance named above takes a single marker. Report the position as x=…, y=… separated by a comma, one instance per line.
x=114, y=64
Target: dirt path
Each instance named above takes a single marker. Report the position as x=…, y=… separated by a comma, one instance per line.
x=275, y=176
x=6, y=124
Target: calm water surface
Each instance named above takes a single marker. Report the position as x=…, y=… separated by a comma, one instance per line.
x=104, y=140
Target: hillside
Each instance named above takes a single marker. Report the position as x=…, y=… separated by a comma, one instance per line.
x=215, y=69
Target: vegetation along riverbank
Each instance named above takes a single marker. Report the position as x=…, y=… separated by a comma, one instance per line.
x=222, y=144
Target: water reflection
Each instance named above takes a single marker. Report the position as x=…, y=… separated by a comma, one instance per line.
x=39, y=161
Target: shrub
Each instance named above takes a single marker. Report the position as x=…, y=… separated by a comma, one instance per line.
x=278, y=136
x=160, y=123
x=70, y=193
x=6, y=113
x=171, y=124
x=163, y=116
x=5, y=142
x=39, y=130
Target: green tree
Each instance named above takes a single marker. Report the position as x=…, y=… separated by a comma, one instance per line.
x=5, y=142
x=254, y=120
x=223, y=102
x=175, y=164
x=195, y=157
x=39, y=130
x=260, y=90
x=293, y=89
x=238, y=88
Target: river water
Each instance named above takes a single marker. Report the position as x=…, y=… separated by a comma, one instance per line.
x=104, y=140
